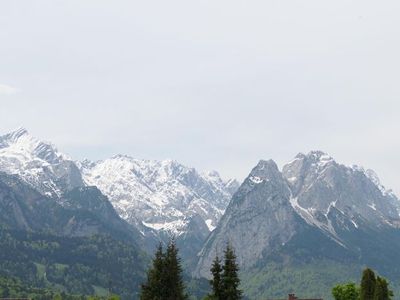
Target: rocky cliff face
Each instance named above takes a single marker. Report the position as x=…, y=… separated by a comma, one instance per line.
x=313, y=203
x=258, y=219
x=322, y=188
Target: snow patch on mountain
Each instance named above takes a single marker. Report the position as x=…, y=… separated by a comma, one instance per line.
x=38, y=163
x=322, y=188
x=161, y=195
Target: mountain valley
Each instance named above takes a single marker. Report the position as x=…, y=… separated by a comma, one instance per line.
x=304, y=227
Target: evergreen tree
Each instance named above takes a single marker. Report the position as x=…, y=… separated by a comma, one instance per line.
x=155, y=287
x=230, y=278
x=382, y=291
x=216, y=282
x=164, y=279
x=175, y=288
x=368, y=282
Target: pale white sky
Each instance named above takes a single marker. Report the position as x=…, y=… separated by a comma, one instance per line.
x=213, y=84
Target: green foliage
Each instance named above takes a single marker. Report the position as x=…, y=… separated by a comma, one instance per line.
x=75, y=265
x=382, y=291
x=348, y=291
x=14, y=288
x=230, y=276
x=164, y=279
x=175, y=288
x=377, y=286
x=216, y=282
x=312, y=280
x=153, y=289
x=368, y=282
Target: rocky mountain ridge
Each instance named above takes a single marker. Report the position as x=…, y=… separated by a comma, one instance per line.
x=312, y=193
x=158, y=198
x=161, y=195
x=38, y=163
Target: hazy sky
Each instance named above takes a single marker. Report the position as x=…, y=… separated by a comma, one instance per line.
x=213, y=84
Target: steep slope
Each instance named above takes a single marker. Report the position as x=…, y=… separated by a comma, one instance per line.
x=322, y=189
x=85, y=212
x=162, y=198
x=259, y=215
x=314, y=214
x=75, y=246
x=156, y=199
x=38, y=163
x=152, y=195
x=58, y=233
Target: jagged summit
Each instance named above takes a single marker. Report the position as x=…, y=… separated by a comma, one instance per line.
x=157, y=197
x=21, y=142
x=314, y=156
x=161, y=198
x=161, y=195
x=20, y=136
x=15, y=134
x=265, y=167
x=312, y=193
x=265, y=164
x=38, y=163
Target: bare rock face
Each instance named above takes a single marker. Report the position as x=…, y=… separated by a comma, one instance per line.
x=259, y=218
x=314, y=200
x=321, y=188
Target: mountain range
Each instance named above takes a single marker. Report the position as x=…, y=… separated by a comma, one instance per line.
x=302, y=228
x=163, y=198
x=313, y=223
x=159, y=199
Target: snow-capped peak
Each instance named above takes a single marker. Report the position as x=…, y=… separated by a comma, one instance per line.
x=14, y=135
x=161, y=195
x=321, y=188
x=20, y=141
x=38, y=163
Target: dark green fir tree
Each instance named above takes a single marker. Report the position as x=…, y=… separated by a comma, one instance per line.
x=368, y=282
x=155, y=287
x=164, y=279
x=216, y=282
x=175, y=288
x=230, y=276
x=382, y=291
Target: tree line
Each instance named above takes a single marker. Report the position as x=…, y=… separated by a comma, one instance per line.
x=372, y=287
x=164, y=278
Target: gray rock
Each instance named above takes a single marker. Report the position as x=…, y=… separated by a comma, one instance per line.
x=314, y=197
